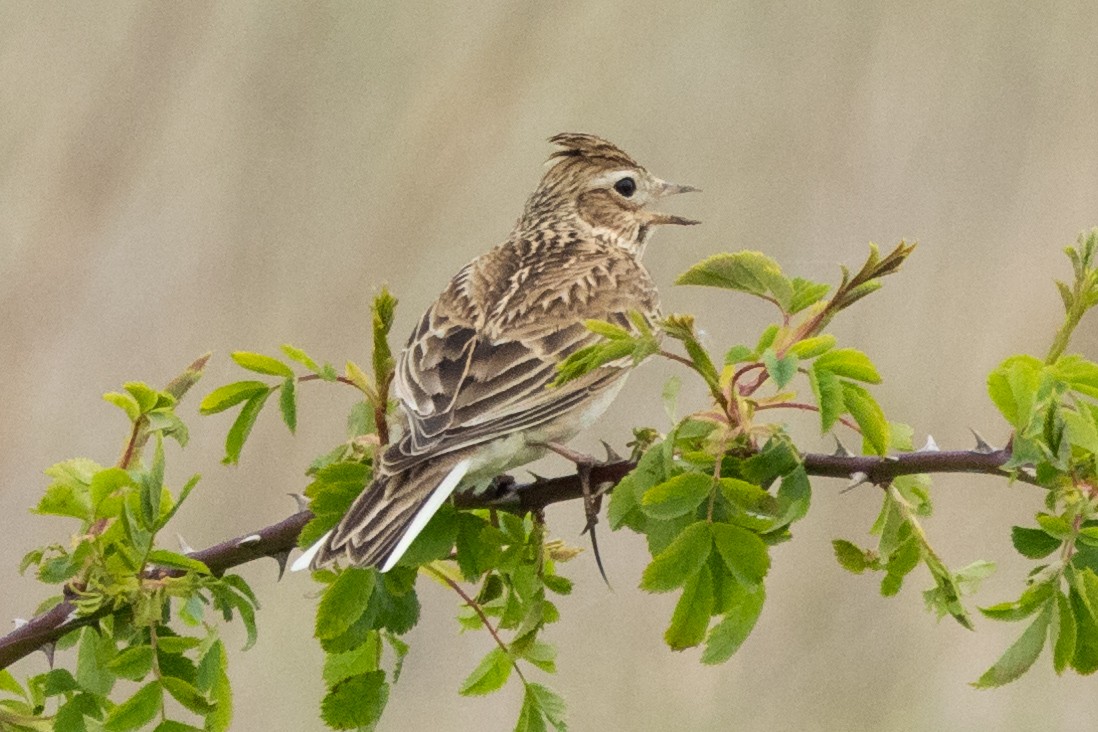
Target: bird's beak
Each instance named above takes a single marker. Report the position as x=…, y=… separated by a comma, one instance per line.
x=665, y=188
x=670, y=189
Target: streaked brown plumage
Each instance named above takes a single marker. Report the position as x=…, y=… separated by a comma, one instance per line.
x=473, y=378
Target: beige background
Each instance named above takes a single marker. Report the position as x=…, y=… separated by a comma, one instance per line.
x=182, y=177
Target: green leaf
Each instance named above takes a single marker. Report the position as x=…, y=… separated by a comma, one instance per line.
x=751, y=272
x=1081, y=429
x=812, y=347
x=794, y=498
x=9, y=684
x=126, y=403
x=230, y=395
x=729, y=634
x=133, y=663
x=187, y=695
x=137, y=711
x=490, y=674
x=91, y=662
x=806, y=293
x=869, y=416
x=1085, y=659
x=828, y=391
x=743, y=552
x=1056, y=526
x=690, y=620
x=356, y=702
x=104, y=485
x=1078, y=373
x=541, y=705
x=174, y=560
x=738, y=354
x=1033, y=599
x=1020, y=656
x=344, y=601
x=1062, y=634
x=782, y=370
x=1013, y=386
x=678, y=496
x=145, y=396
x=354, y=662
x=607, y=329
x=287, y=402
x=213, y=680
x=678, y=562
x=849, y=363
x=242, y=427
x=296, y=354
x=851, y=557
x=1033, y=543
x=261, y=364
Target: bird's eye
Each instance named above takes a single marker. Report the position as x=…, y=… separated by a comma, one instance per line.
x=626, y=187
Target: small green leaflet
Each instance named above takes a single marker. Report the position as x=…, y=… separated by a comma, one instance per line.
x=541, y=705
x=690, y=620
x=746, y=271
x=261, y=364
x=1021, y=655
x=344, y=602
x=490, y=674
x=356, y=702
x=676, y=564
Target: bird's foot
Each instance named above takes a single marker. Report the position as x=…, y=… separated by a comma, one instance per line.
x=592, y=497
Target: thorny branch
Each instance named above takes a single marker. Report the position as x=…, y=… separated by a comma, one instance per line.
x=278, y=539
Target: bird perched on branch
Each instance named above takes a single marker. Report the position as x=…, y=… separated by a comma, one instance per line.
x=474, y=379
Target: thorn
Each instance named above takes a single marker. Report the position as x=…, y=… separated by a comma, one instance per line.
x=19, y=622
x=184, y=547
x=301, y=501
x=537, y=478
x=612, y=455
x=856, y=479
x=930, y=446
x=840, y=449
x=48, y=649
x=981, y=444
x=1028, y=470
x=250, y=540
x=890, y=458
x=281, y=557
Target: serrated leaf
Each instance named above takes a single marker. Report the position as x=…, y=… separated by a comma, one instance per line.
x=678, y=496
x=738, y=354
x=287, y=403
x=867, y=413
x=1033, y=543
x=354, y=662
x=1013, y=386
x=1032, y=599
x=9, y=684
x=849, y=363
x=143, y=394
x=1078, y=373
x=746, y=271
x=187, y=695
x=1085, y=658
x=125, y=402
x=242, y=427
x=739, y=620
x=744, y=553
x=490, y=674
x=850, y=556
x=828, y=391
x=262, y=364
x=812, y=347
x=137, y=711
x=541, y=705
x=672, y=567
x=230, y=395
x=356, y=702
x=806, y=293
x=1063, y=633
x=300, y=356
x=344, y=602
x=133, y=663
x=781, y=370
x=690, y=620
x=1020, y=656
x=174, y=560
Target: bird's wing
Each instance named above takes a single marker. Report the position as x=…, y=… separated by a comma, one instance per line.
x=466, y=378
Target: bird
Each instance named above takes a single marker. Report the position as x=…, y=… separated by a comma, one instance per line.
x=474, y=382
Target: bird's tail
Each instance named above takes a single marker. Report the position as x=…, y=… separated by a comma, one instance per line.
x=388, y=515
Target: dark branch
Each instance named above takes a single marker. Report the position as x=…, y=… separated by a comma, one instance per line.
x=278, y=539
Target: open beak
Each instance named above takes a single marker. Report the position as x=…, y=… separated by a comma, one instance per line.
x=670, y=189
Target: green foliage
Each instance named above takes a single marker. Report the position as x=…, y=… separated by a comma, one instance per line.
x=711, y=497
x=137, y=592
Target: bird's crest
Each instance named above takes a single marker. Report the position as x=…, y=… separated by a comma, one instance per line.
x=591, y=147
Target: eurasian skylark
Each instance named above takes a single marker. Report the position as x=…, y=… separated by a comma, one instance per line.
x=473, y=381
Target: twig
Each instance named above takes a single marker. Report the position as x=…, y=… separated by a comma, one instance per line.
x=281, y=537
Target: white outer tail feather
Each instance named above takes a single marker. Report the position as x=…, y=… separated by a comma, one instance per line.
x=426, y=511
x=436, y=499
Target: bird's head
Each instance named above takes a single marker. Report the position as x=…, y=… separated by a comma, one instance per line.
x=596, y=182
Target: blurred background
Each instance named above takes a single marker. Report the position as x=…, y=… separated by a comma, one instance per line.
x=184, y=177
